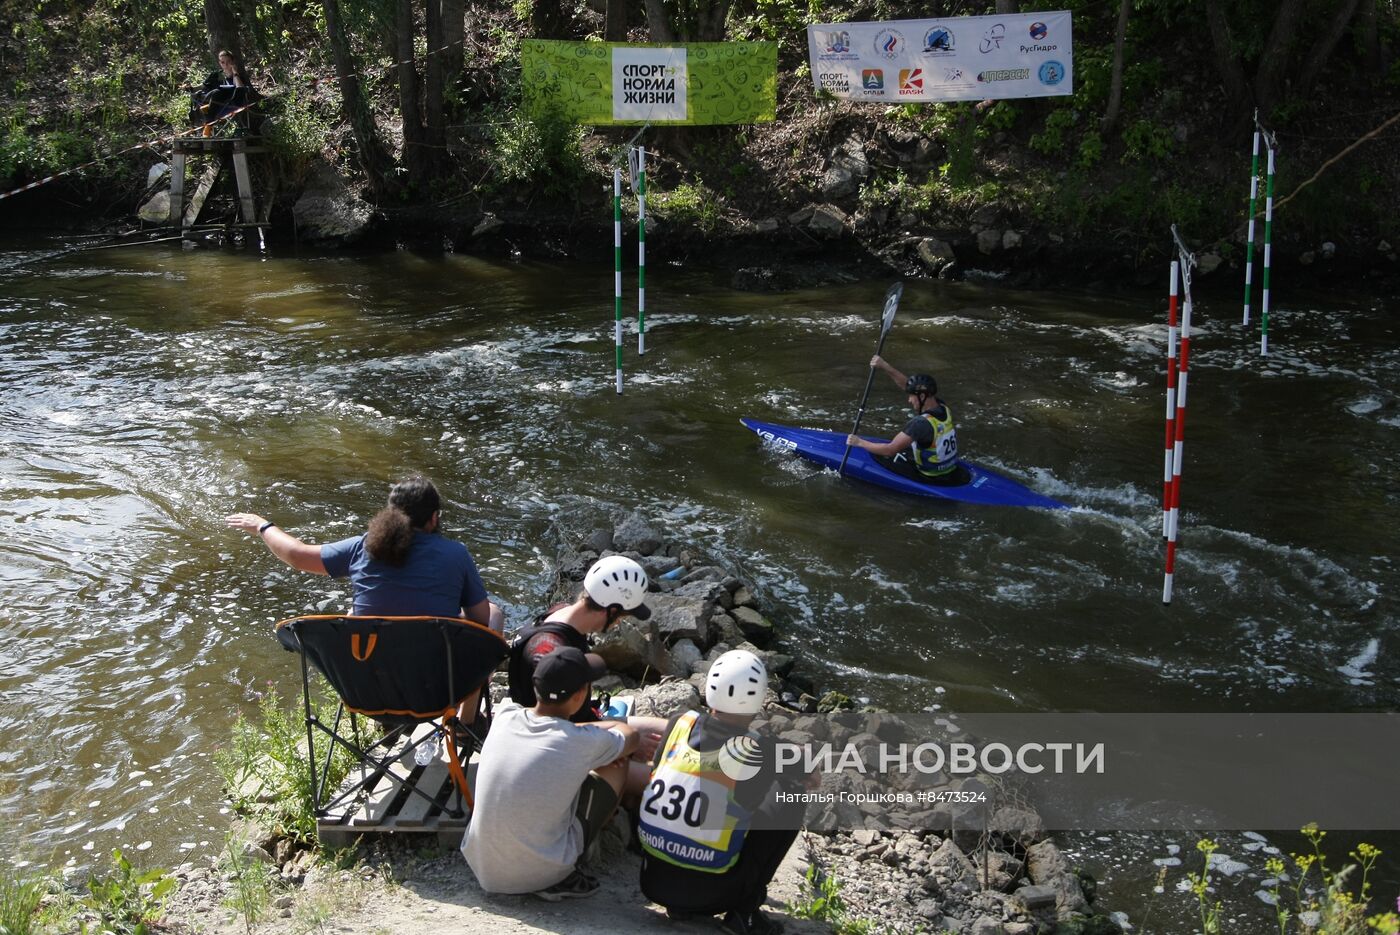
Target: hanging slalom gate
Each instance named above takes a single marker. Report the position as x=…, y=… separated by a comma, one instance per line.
x=637, y=174
x=1178, y=418
x=1271, y=145
x=1171, y=403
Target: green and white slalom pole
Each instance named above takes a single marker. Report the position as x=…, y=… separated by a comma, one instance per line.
x=1249, y=242
x=617, y=273
x=641, y=250
x=1272, y=144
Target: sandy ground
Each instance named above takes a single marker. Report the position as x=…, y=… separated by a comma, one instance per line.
x=438, y=893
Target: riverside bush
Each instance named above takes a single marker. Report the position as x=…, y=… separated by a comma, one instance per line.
x=1307, y=895
x=127, y=901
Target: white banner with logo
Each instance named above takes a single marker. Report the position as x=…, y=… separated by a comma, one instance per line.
x=968, y=58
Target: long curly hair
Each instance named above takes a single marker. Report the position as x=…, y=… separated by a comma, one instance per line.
x=412, y=503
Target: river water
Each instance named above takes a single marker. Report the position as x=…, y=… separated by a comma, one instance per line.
x=148, y=392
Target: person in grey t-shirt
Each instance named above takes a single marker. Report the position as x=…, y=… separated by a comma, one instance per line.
x=546, y=786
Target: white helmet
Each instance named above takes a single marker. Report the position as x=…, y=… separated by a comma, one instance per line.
x=736, y=683
x=618, y=581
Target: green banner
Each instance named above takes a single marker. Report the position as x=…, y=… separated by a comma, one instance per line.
x=605, y=83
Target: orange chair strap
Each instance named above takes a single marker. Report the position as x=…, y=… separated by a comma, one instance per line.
x=369, y=650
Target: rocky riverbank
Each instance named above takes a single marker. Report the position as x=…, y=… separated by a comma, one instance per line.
x=931, y=867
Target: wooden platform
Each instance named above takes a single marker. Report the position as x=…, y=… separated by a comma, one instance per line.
x=218, y=144
x=388, y=805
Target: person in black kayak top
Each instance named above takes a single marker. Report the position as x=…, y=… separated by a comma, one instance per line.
x=926, y=449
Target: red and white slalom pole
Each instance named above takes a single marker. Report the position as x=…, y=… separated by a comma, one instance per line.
x=1183, y=371
x=1171, y=403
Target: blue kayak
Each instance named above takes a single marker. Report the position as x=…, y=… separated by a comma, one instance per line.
x=827, y=448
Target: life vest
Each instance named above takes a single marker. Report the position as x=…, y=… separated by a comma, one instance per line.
x=690, y=815
x=520, y=673
x=942, y=456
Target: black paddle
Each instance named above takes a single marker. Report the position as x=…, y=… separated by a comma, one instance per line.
x=886, y=321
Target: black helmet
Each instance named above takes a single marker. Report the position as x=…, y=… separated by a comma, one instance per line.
x=921, y=384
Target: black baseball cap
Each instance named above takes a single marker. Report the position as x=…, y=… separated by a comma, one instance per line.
x=565, y=671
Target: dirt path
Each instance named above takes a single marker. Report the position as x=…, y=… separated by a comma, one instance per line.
x=439, y=894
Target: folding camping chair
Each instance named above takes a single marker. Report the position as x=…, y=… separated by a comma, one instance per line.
x=404, y=672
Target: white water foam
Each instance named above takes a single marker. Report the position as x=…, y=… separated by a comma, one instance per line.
x=1355, y=668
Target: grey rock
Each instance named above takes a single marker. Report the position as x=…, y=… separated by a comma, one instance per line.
x=488, y=224
x=1307, y=258
x=989, y=241
x=986, y=925
x=935, y=254
x=1208, y=263
x=998, y=870
x=1329, y=250
x=766, y=225
x=634, y=647
x=928, y=911
x=948, y=860
x=827, y=219
x=704, y=573
x=685, y=655
x=634, y=534
x=1035, y=897
x=985, y=216
x=923, y=151
x=328, y=210
x=665, y=699
x=599, y=540
x=1012, y=240
x=801, y=216
x=686, y=612
x=755, y=627
x=743, y=597
x=727, y=628
x=1021, y=825
x=779, y=664
x=1046, y=866
x=838, y=182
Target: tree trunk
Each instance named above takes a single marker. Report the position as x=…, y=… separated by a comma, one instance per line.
x=547, y=20
x=1369, y=40
x=615, y=21
x=434, y=70
x=223, y=28
x=1115, y=86
x=1008, y=6
x=712, y=23
x=1231, y=74
x=1273, y=62
x=374, y=159
x=1323, y=48
x=454, y=36
x=414, y=152
x=659, y=21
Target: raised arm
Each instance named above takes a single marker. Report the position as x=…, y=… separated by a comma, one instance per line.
x=882, y=364
x=303, y=556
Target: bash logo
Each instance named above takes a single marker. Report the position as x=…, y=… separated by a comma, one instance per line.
x=911, y=81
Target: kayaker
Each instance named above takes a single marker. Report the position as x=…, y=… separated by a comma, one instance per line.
x=402, y=567
x=712, y=825
x=927, y=447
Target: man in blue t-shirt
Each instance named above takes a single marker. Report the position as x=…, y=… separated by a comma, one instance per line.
x=401, y=567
